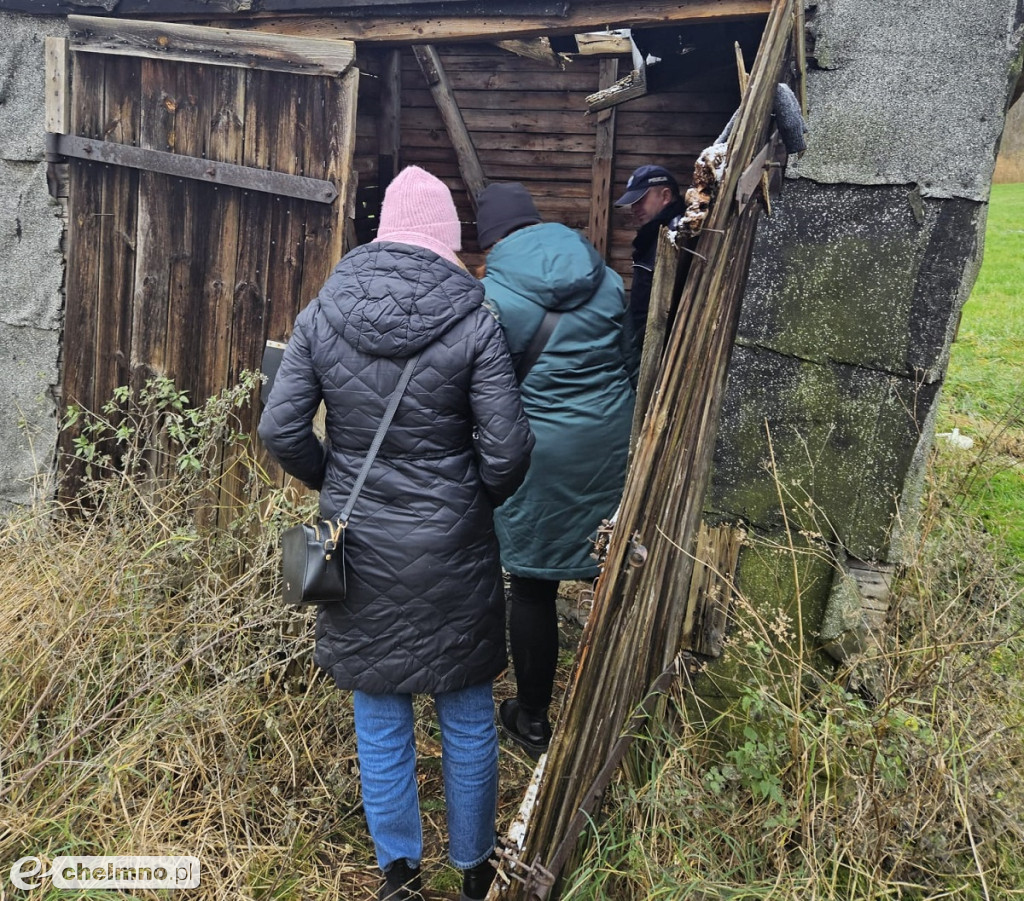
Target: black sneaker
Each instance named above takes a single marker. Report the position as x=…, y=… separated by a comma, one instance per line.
x=401, y=883
x=477, y=880
x=532, y=734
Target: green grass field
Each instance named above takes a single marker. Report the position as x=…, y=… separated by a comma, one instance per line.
x=984, y=389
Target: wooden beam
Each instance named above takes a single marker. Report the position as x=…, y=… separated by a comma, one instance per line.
x=389, y=123
x=58, y=109
x=534, y=48
x=743, y=195
x=581, y=18
x=214, y=46
x=469, y=162
x=248, y=178
x=627, y=88
x=604, y=165
x=603, y=43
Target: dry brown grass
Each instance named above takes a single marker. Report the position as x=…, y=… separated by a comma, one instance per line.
x=157, y=698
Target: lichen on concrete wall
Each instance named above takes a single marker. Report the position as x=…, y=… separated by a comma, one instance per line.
x=861, y=270
x=31, y=259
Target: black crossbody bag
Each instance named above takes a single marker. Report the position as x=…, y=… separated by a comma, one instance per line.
x=313, y=554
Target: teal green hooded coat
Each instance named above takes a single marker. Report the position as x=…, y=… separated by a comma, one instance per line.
x=578, y=397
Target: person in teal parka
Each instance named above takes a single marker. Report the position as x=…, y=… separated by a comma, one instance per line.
x=578, y=393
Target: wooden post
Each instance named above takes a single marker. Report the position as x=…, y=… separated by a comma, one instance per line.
x=603, y=165
x=390, y=122
x=744, y=80
x=344, y=235
x=800, y=52
x=58, y=110
x=469, y=163
x=666, y=268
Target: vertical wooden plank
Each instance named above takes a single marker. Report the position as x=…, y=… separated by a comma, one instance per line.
x=389, y=121
x=85, y=210
x=189, y=250
x=800, y=52
x=294, y=119
x=57, y=65
x=223, y=121
x=319, y=252
x=118, y=230
x=85, y=206
x=340, y=167
x=252, y=260
x=603, y=165
x=161, y=218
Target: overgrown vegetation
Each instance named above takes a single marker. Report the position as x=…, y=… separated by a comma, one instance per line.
x=156, y=698
x=804, y=788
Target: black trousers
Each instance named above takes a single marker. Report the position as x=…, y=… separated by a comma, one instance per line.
x=533, y=637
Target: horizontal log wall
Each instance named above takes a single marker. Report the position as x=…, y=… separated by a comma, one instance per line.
x=528, y=123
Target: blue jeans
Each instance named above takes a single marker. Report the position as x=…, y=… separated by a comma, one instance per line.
x=469, y=765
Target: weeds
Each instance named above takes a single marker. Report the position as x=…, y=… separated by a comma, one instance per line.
x=155, y=697
x=914, y=791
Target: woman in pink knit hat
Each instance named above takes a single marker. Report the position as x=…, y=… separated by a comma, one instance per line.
x=425, y=607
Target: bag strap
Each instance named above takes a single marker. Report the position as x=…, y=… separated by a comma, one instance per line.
x=537, y=344
x=378, y=439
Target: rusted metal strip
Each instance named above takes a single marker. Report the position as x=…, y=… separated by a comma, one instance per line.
x=245, y=177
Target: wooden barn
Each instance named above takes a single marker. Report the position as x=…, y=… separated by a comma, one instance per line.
x=215, y=173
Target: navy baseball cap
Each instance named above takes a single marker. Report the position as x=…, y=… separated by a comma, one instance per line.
x=642, y=180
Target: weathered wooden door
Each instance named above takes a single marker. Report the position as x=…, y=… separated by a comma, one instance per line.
x=209, y=185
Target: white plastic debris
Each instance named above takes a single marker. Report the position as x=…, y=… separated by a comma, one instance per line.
x=956, y=439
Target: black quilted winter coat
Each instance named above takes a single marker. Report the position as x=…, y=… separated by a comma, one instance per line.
x=425, y=610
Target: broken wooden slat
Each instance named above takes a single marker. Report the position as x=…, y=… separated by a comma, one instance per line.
x=214, y=46
x=535, y=48
x=744, y=193
x=753, y=177
x=469, y=162
x=800, y=52
x=604, y=166
x=340, y=168
x=604, y=43
x=627, y=88
x=197, y=168
x=711, y=588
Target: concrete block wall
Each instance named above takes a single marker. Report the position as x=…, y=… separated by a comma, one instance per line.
x=860, y=273
x=31, y=264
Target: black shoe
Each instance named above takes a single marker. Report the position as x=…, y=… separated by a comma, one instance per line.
x=401, y=883
x=531, y=733
x=477, y=880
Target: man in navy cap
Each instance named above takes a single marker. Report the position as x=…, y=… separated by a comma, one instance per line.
x=652, y=196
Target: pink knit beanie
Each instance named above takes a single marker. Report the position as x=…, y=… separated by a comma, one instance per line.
x=418, y=210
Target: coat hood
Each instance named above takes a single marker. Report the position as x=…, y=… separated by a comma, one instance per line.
x=392, y=300
x=563, y=272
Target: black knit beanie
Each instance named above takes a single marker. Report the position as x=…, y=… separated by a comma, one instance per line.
x=501, y=208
